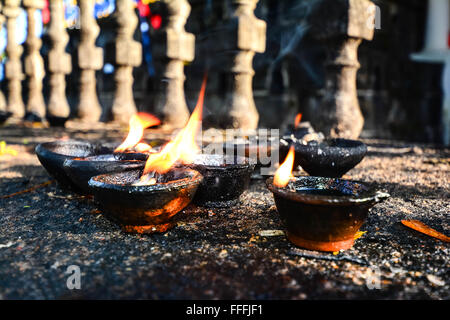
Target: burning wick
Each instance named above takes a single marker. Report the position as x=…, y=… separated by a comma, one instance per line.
x=148, y=179
x=183, y=147
x=138, y=123
x=284, y=172
x=298, y=118
x=143, y=147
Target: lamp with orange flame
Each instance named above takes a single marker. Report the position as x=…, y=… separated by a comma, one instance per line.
x=138, y=123
x=182, y=148
x=298, y=118
x=284, y=172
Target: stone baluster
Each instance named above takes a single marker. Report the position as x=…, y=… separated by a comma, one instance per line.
x=90, y=59
x=59, y=62
x=244, y=35
x=128, y=54
x=2, y=97
x=34, y=64
x=173, y=47
x=13, y=66
x=341, y=25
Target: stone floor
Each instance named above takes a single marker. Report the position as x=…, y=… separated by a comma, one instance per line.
x=220, y=253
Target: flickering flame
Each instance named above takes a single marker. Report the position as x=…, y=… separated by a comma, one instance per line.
x=182, y=148
x=138, y=123
x=143, y=147
x=298, y=118
x=284, y=172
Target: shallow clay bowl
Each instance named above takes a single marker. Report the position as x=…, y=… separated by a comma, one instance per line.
x=145, y=208
x=53, y=154
x=330, y=158
x=225, y=178
x=324, y=213
x=81, y=170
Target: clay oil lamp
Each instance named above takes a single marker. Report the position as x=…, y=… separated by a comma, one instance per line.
x=131, y=154
x=145, y=201
x=328, y=158
x=225, y=178
x=321, y=213
x=321, y=157
x=145, y=207
x=53, y=154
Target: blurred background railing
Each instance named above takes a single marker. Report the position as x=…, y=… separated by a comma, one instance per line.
x=267, y=60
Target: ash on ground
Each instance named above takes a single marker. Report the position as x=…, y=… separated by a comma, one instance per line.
x=229, y=253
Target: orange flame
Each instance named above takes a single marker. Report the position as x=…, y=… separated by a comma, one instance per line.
x=298, y=118
x=138, y=123
x=142, y=147
x=183, y=147
x=284, y=172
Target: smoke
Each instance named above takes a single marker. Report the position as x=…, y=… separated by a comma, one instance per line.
x=288, y=29
x=290, y=41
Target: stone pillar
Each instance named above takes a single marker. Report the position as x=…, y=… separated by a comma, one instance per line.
x=90, y=59
x=341, y=25
x=128, y=54
x=59, y=62
x=173, y=46
x=2, y=97
x=244, y=35
x=34, y=64
x=13, y=66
